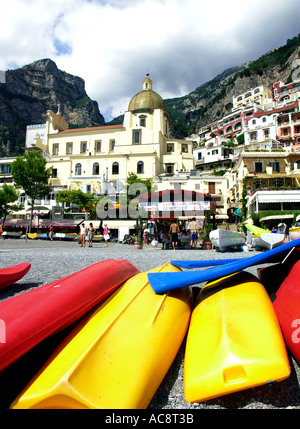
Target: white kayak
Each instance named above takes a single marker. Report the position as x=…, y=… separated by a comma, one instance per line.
x=224, y=239
x=268, y=241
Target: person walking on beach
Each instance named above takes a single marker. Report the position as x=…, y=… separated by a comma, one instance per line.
x=238, y=216
x=82, y=234
x=174, y=231
x=193, y=227
x=91, y=232
x=51, y=232
x=106, y=234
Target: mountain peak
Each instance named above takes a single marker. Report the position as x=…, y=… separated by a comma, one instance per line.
x=32, y=90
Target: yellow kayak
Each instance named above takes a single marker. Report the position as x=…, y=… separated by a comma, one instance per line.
x=256, y=229
x=118, y=356
x=32, y=235
x=234, y=341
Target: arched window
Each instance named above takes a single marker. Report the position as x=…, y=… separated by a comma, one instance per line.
x=115, y=168
x=140, y=167
x=78, y=169
x=96, y=168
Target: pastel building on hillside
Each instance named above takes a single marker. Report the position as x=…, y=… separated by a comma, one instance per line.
x=261, y=95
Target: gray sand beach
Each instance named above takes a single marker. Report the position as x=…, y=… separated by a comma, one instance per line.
x=51, y=261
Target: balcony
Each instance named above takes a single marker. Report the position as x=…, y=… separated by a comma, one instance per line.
x=285, y=137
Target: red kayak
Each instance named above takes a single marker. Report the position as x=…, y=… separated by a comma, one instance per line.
x=287, y=308
x=10, y=275
x=273, y=275
x=30, y=317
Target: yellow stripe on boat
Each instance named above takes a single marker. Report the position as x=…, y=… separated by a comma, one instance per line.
x=234, y=340
x=294, y=232
x=119, y=355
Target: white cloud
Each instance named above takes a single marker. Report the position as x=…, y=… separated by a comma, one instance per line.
x=112, y=44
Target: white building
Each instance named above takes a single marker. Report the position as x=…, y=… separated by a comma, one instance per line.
x=261, y=131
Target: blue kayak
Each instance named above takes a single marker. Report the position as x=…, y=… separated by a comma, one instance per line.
x=203, y=263
x=163, y=282
x=212, y=262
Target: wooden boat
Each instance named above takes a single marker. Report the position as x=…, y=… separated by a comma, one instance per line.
x=268, y=241
x=286, y=305
x=234, y=341
x=224, y=239
x=11, y=275
x=54, y=306
x=118, y=356
x=294, y=232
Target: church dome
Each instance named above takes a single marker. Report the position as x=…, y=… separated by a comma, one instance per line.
x=146, y=100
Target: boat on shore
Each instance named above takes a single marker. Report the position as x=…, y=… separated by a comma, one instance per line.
x=263, y=238
x=117, y=357
x=286, y=305
x=8, y=234
x=294, y=232
x=256, y=229
x=66, y=235
x=32, y=316
x=226, y=348
x=224, y=239
x=11, y=275
x=268, y=241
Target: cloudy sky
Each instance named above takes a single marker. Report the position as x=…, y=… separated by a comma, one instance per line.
x=112, y=44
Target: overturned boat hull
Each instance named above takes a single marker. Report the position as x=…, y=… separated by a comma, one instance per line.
x=224, y=239
x=47, y=309
x=234, y=341
x=119, y=355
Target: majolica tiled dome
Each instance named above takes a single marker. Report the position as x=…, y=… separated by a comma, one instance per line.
x=146, y=100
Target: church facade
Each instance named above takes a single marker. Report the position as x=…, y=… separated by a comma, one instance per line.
x=95, y=159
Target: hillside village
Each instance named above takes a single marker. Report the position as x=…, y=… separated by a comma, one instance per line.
x=249, y=159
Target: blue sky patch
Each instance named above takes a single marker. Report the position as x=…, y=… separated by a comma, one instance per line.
x=62, y=48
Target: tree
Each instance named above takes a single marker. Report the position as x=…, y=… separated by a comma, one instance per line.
x=244, y=198
x=29, y=173
x=133, y=178
x=85, y=202
x=8, y=195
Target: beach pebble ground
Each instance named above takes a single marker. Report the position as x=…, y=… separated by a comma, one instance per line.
x=51, y=261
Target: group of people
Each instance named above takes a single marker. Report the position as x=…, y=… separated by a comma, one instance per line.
x=89, y=232
x=173, y=236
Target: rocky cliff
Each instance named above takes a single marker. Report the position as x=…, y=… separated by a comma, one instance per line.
x=35, y=88
x=27, y=94
x=213, y=100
